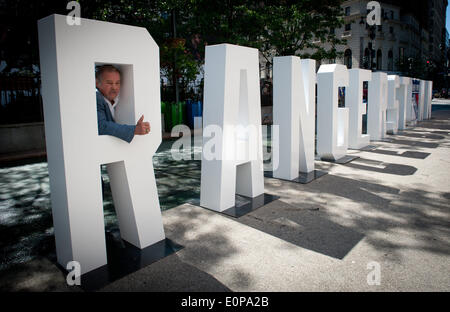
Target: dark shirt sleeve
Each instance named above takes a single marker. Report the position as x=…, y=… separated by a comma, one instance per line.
x=105, y=126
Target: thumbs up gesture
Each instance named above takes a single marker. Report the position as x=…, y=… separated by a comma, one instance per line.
x=142, y=127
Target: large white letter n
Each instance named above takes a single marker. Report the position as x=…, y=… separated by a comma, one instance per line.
x=294, y=83
x=75, y=151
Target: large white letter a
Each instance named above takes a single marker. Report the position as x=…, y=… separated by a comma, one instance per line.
x=232, y=102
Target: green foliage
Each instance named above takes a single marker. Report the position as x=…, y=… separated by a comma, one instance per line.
x=291, y=27
x=284, y=27
x=273, y=27
x=185, y=65
x=156, y=16
x=413, y=67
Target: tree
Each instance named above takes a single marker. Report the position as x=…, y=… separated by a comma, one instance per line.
x=413, y=67
x=177, y=62
x=163, y=22
x=303, y=28
x=283, y=27
x=275, y=28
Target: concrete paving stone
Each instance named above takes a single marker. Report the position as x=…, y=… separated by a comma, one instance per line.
x=383, y=207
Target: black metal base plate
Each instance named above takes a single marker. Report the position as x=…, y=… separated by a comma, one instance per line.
x=124, y=259
x=344, y=160
x=303, y=178
x=244, y=205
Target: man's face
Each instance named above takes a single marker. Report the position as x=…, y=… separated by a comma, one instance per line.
x=109, y=84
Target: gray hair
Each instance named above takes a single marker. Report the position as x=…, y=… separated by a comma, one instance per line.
x=99, y=70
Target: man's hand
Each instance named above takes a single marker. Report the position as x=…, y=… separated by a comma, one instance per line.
x=142, y=127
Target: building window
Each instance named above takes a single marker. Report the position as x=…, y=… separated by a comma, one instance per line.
x=366, y=61
x=401, y=55
x=390, y=61
x=348, y=58
x=379, y=60
x=348, y=27
x=391, y=30
x=347, y=11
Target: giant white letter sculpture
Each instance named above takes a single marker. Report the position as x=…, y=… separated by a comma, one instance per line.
x=421, y=104
x=392, y=111
x=294, y=112
x=354, y=102
x=376, y=115
x=411, y=116
x=332, y=121
x=232, y=102
x=75, y=151
x=404, y=99
x=428, y=99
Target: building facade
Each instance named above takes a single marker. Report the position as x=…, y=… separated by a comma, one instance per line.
x=436, y=28
x=405, y=35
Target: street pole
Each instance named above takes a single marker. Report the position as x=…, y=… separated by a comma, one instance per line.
x=174, y=74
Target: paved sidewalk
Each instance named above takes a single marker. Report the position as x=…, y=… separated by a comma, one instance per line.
x=437, y=101
x=391, y=206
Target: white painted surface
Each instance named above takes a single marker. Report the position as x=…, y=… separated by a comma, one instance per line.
x=376, y=111
x=428, y=99
x=294, y=114
x=354, y=102
x=421, y=107
x=231, y=103
x=76, y=151
x=404, y=98
x=392, y=112
x=332, y=121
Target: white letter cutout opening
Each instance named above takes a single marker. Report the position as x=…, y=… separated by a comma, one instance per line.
x=75, y=151
x=294, y=92
x=332, y=121
x=376, y=115
x=357, y=107
x=232, y=102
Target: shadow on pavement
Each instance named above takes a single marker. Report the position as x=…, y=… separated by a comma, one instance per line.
x=306, y=228
x=382, y=167
x=170, y=274
x=414, y=143
x=408, y=154
x=422, y=136
x=310, y=223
